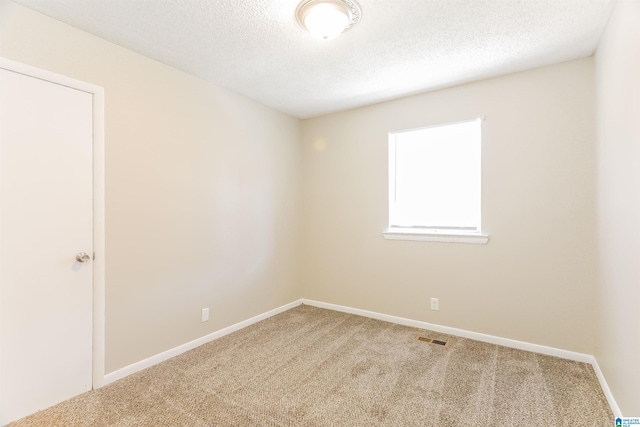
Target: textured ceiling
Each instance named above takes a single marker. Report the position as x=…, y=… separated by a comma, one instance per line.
x=401, y=47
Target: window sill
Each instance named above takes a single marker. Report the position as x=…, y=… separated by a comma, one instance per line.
x=421, y=236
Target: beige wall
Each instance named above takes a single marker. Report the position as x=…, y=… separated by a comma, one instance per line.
x=535, y=280
x=201, y=191
x=617, y=68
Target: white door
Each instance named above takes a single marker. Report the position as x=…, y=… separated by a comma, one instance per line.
x=45, y=222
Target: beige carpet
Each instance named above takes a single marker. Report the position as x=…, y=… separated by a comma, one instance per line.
x=316, y=367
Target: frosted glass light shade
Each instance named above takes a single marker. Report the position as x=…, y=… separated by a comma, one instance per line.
x=326, y=19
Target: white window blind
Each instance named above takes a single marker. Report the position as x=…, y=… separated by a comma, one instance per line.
x=434, y=178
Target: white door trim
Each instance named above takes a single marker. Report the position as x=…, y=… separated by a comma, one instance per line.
x=98, y=203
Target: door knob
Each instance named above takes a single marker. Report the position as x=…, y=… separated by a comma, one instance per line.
x=83, y=257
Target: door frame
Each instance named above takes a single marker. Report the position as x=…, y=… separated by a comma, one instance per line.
x=98, y=309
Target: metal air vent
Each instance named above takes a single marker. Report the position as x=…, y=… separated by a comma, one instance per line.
x=432, y=341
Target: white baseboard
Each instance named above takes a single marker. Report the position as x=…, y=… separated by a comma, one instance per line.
x=165, y=355
x=605, y=389
x=492, y=339
x=521, y=345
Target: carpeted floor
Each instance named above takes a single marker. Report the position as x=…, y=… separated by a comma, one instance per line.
x=314, y=367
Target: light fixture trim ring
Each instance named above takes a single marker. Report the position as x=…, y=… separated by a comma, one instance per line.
x=351, y=7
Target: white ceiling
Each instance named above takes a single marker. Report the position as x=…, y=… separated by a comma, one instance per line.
x=400, y=47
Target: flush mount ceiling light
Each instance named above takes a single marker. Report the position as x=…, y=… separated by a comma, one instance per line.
x=327, y=19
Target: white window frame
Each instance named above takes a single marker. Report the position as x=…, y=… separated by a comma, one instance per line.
x=451, y=235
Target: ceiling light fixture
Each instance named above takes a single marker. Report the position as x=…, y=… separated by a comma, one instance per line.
x=326, y=19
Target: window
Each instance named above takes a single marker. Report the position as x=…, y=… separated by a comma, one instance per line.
x=434, y=183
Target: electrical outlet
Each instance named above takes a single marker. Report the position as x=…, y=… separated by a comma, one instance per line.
x=205, y=314
x=435, y=305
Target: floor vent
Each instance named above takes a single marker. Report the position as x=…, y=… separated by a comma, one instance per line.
x=432, y=341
